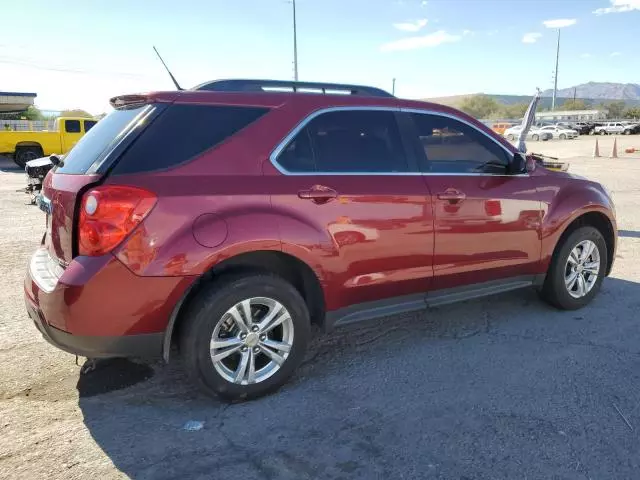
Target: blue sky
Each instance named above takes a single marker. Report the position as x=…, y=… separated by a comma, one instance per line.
x=76, y=54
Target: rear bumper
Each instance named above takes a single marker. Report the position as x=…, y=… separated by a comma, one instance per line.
x=144, y=346
x=97, y=307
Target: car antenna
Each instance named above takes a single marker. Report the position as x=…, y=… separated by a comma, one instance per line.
x=175, y=82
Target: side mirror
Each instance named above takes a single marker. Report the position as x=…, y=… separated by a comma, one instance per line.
x=518, y=164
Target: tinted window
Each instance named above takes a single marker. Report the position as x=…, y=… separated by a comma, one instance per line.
x=347, y=141
x=182, y=132
x=98, y=141
x=298, y=154
x=72, y=126
x=88, y=125
x=455, y=147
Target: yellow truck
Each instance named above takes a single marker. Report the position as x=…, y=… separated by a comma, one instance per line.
x=28, y=145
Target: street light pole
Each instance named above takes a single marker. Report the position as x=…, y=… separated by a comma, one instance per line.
x=555, y=77
x=295, y=44
x=393, y=87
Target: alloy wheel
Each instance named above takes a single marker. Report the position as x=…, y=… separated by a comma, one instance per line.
x=252, y=340
x=582, y=268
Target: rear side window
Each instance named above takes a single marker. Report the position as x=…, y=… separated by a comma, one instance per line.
x=72, y=126
x=89, y=124
x=351, y=141
x=98, y=141
x=183, y=132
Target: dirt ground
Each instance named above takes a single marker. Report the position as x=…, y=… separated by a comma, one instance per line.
x=504, y=387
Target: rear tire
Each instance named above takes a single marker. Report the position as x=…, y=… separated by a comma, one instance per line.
x=627, y=132
x=558, y=289
x=535, y=137
x=602, y=132
x=208, y=320
x=26, y=154
x=510, y=137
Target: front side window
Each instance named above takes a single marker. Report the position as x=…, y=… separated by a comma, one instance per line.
x=347, y=141
x=451, y=146
x=89, y=124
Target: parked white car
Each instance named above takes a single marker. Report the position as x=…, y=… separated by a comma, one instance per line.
x=534, y=134
x=613, y=128
x=560, y=132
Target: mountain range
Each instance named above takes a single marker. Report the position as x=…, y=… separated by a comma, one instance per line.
x=593, y=93
x=599, y=91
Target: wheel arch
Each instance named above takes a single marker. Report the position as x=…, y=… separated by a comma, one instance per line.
x=599, y=221
x=29, y=144
x=287, y=266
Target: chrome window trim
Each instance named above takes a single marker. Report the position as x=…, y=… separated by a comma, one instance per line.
x=273, y=158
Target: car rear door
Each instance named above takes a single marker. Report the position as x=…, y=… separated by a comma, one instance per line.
x=351, y=201
x=486, y=220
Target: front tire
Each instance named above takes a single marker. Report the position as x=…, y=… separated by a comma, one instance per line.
x=535, y=137
x=510, y=137
x=602, y=132
x=577, y=269
x=244, y=336
x=563, y=136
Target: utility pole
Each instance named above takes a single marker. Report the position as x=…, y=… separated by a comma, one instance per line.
x=393, y=87
x=295, y=44
x=555, y=76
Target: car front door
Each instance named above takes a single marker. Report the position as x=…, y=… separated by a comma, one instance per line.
x=487, y=220
x=351, y=201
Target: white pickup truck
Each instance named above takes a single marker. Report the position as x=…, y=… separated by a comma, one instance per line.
x=612, y=128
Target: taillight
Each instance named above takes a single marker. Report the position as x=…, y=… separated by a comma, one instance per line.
x=108, y=214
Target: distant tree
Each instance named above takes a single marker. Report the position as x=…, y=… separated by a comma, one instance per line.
x=632, y=112
x=574, y=105
x=615, y=109
x=479, y=106
x=100, y=116
x=75, y=113
x=31, y=113
x=515, y=111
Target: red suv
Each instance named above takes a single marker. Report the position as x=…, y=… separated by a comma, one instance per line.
x=227, y=219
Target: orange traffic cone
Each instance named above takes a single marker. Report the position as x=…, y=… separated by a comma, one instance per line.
x=596, y=150
x=614, y=150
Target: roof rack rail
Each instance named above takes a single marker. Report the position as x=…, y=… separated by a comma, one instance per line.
x=287, y=86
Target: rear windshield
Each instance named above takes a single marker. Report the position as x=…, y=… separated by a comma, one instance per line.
x=99, y=140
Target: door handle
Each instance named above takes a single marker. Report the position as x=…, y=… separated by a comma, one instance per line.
x=452, y=195
x=318, y=194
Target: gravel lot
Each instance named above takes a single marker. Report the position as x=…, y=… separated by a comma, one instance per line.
x=504, y=387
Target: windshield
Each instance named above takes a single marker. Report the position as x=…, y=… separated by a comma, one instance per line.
x=99, y=140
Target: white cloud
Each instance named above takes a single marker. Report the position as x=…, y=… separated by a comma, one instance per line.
x=423, y=3
x=560, y=22
x=615, y=54
x=411, y=26
x=431, y=40
x=467, y=32
x=531, y=37
x=618, y=6
x=586, y=55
